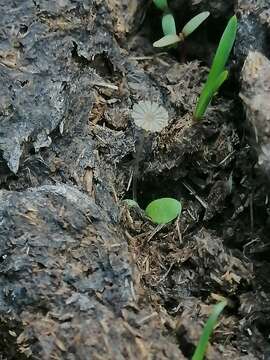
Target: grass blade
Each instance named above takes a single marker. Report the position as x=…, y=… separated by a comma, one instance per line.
x=207, y=331
x=167, y=40
x=224, y=49
x=161, y=4
x=168, y=25
x=217, y=75
x=194, y=23
x=207, y=94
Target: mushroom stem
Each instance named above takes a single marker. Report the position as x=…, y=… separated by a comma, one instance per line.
x=139, y=150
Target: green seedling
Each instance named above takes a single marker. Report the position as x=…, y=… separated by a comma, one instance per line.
x=169, y=29
x=160, y=211
x=164, y=210
x=168, y=24
x=161, y=4
x=207, y=331
x=217, y=74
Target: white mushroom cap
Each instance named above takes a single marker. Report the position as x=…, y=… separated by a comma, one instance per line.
x=150, y=116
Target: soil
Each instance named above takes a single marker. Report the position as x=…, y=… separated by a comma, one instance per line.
x=81, y=275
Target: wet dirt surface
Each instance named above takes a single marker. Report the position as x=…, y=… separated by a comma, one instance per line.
x=81, y=275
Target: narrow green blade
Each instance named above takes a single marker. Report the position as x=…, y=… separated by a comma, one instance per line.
x=168, y=25
x=207, y=331
x=194, y=23
x=161, y=4
x=224, y=49
x=167, y=40
x=207, y=94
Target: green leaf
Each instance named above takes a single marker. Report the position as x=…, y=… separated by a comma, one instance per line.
x=207, y=331
x=207, y=94
x=161, y=4
x=217, y=75
x=168, y=25
x=167, y=40
x=194, y=23
x=164, y=210
x=223, y=50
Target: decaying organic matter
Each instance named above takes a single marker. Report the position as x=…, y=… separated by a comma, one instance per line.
x=81, y=276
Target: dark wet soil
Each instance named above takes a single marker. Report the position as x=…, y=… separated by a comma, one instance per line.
x=81, y=275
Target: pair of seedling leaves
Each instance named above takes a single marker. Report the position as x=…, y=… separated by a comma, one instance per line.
x=169, y=27
x=217, y=74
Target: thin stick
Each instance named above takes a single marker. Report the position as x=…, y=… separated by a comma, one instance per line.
x=139, y=149
x=201, y=201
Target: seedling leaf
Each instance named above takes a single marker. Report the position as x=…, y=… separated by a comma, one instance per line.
x=207, y=94
x=194, y=23
x=217, y=75
x=164, y=210
x=223, y=50
x=168, y=25
x=161, y=4
x=207, y=331
x=167, y=40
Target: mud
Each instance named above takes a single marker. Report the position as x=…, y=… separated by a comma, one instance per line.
x=81, y=275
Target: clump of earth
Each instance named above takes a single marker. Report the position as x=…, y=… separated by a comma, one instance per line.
x=83, y=276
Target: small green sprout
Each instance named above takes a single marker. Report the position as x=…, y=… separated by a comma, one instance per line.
x=164, y=210
x=217, y=74
x=168, y=25
x=160, y=211
x=161, y=4
x=207, y=331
